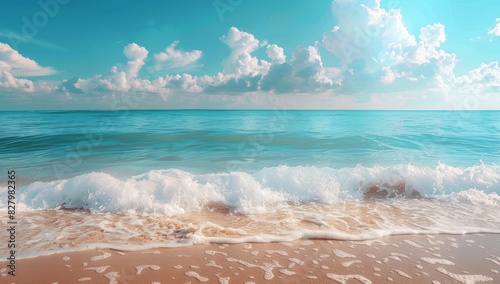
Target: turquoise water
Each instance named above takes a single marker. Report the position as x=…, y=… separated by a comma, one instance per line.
x=261, y=175
x=54, y=145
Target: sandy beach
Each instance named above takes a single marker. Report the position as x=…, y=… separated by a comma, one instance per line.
x=471, y=258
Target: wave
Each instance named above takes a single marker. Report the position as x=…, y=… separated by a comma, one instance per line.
x=174, y=191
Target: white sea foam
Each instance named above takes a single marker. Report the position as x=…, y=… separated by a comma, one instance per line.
x=140, y=268
x=343, y=254
x=100, y=269
x=344, y=278
x=174, y=191
x=466, y=278
x=278, y=204
x=437, y=261
x=195, y=275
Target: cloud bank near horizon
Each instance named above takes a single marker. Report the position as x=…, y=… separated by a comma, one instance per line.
x=380, y=65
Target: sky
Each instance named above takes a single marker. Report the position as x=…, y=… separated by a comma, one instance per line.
x=242, y=54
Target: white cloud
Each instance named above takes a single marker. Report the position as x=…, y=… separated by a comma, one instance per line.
x=378, y=59
x=365, y=31
x=184, y=82
x=17, y=65
x=484, y=79
x=174, y=58
x=240, y=42
x=275, y=53
x=240, y=62
x=309, y=66
x=243, y=72
x=8, y=82
x=13, y=64
x=304, y=72
x=137, y=55
x=433, y=35
x=495, y=31
x=119, y=78
x=377, y=52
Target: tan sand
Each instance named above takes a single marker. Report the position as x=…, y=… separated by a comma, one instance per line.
x=473, y=258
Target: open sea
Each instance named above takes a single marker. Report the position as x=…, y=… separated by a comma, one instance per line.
x=143, y=179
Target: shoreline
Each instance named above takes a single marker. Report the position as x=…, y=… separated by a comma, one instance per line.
x=399, y=259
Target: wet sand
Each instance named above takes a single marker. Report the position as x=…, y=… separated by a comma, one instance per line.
x=472, y=258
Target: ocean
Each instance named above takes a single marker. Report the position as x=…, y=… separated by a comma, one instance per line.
x=136, y=179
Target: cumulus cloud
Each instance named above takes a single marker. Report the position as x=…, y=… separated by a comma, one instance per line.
x=366, y=31
x=17, y=65
x=137, y=55
x=240, y=43
x=305, y=72
x=119, y=78
x=377, y=52
x=484, y=79
x=13, y=65
x=309, y=66
x=378, y=59
x=244, y=72
x=276, y=54
x=174, y=58
x=184, y=82
x=433, y=35
x=495, y=31
x=7, y=81
x=240, y=62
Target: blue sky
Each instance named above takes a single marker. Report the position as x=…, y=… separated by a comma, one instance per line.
x=341, y=54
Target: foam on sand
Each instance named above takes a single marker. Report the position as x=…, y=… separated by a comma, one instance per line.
x=140, y=268
x=344, y=278
x=315, y=262
x=402, y=273
x=437, y=261
x=112, y=277
x=197, y=276
x=343, y=254
x=100, y=269
x=465, y=278
x=349, y=263
x=104, y=255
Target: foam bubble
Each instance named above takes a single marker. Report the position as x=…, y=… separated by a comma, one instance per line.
x=196, y=276
x=465, y=278
x=287, y=272
x=112, y=276
x=296, y=261
x=213, y=252
x=212, y=263
x=280, y=252
x=140, y=268
x=343, y=254
x=437, y=261
x=344, y=278
x=402, y=273
x=100, y=257
x=349, y=263
x=100, y=269
x=223, y=280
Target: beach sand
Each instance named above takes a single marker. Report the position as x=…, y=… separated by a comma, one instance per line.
x=471, y=258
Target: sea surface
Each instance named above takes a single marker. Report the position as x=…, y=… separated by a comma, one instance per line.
x=135, y=179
